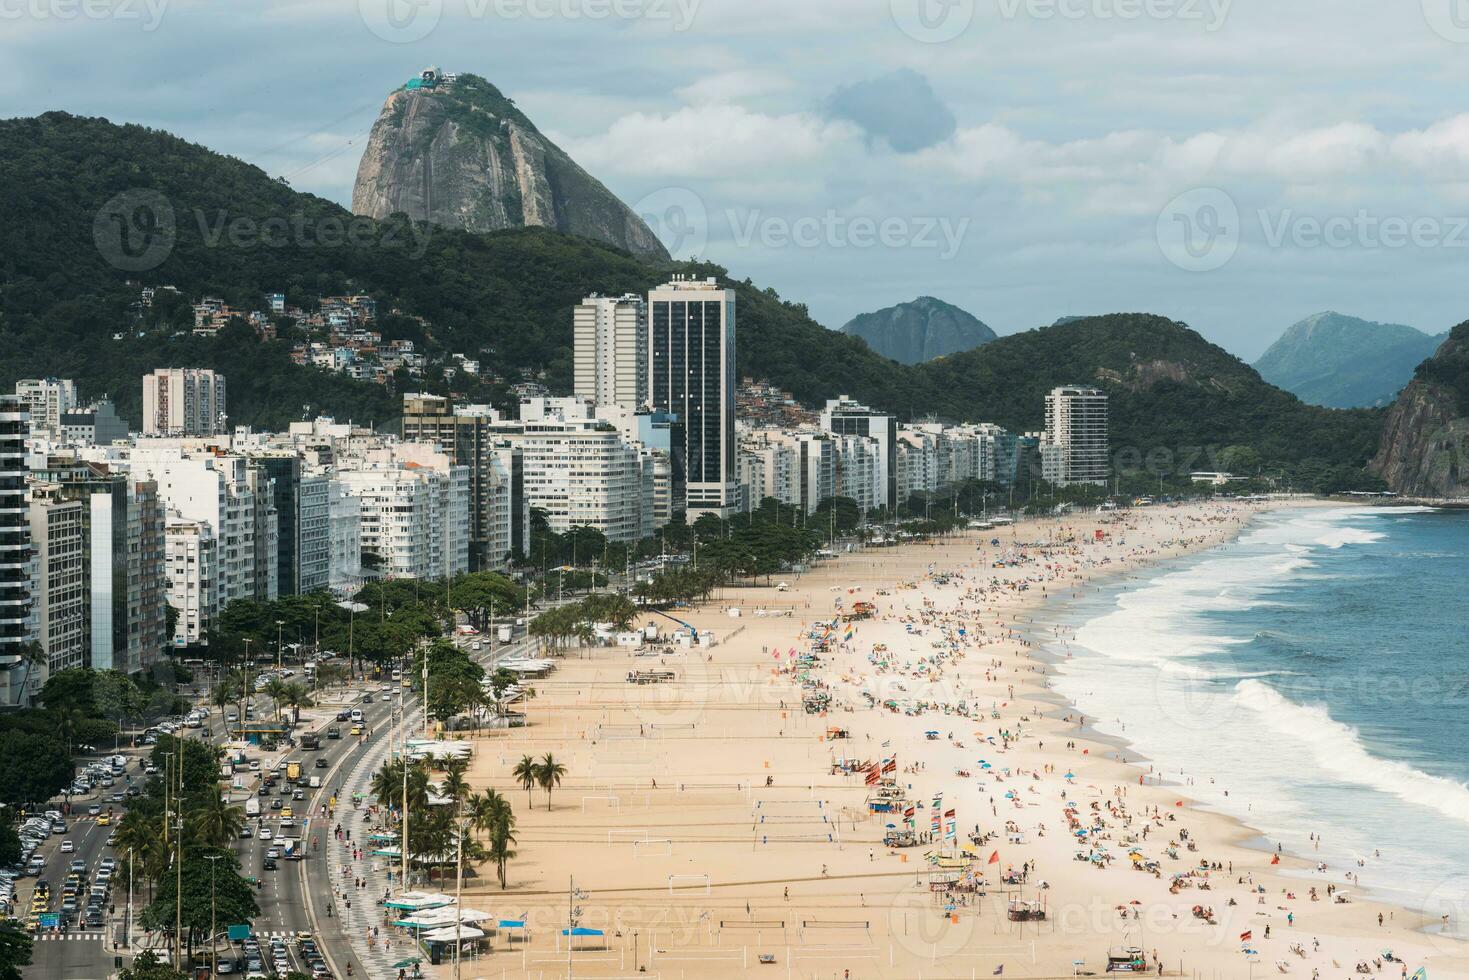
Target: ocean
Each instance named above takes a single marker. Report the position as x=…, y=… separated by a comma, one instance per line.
x=1310, y=678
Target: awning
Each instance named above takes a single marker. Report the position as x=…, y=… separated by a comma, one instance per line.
x=448, y=935
x=414, y=901
x=579, y=931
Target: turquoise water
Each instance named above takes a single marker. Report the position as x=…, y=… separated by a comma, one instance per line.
x=1318, y=671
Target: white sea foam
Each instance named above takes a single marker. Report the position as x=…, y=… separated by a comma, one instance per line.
x=1339, y=751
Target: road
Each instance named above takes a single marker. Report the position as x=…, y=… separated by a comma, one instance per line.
x=293, y=898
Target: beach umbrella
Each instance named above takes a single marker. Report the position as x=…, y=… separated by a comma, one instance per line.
x=1071, y=775
x=404, y=964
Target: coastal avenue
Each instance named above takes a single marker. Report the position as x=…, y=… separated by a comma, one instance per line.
x=285, y=908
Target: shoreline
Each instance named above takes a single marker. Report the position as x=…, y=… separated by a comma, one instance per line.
x=720, y=777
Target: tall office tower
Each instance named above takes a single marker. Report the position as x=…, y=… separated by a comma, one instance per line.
x=15, y=548
x=691, y=360
x=183, y=402
x=611, y=343
x=845, y=417
x=47, y=399
x=1076, y=425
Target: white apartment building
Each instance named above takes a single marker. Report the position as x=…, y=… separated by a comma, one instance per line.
x=845, y=417
x=345, y=517
x=581, y=470
x=860, y=474
x=797, y=468
x=610, y=336
x=47, y=399
x=184, y=402
x=59, y=588
x=234, y=499
x=192, y=564
x=414, y=510
x=1076, y=424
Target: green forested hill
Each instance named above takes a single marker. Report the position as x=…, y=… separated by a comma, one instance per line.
x=92, y=211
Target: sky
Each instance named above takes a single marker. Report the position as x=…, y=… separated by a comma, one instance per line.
x=1234, y=164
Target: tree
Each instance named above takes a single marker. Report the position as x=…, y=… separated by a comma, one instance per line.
x=295, y=696
x=548, y=775
x=214, y=822
x=15, y=950
x=115, y=695
x=232, y=896
x=848, y=514
x=455, y=786
x=9, y=845
x=148, y=966
x=527, y=774
x=490, y=813
x=33, y=768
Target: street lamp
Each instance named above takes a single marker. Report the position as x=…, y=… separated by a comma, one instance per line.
x=213, y=928
x=280, y=625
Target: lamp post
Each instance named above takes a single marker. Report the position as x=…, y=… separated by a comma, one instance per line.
x=573, y=916
x=213, y=927
x=458, y=894
x=280, y=626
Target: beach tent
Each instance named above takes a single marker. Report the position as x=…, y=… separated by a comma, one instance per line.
x=417, y=901
x=448, y=935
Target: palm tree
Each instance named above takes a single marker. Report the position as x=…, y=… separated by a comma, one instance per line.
x=387, y=786
x=527, y=774
x=296, y=697
x=276, y=689
x=215, y=823
x=502, y=837
x=455, y=786
x=548, y=774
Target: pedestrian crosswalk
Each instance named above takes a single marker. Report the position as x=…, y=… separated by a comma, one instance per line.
x=88, y=937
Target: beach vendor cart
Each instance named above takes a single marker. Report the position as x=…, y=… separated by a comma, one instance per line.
x=1127, y=959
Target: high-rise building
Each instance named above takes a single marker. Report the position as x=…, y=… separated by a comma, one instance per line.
x=845, y=417
x=192, y=565
x=15, y=550
x=499, y=513
x=1076, y=425
x=47, y=399
x=691, y=361
x=183, y=402
x=303, y=522
x=60, y=590
x=611, y=347
x=581, y=470
x=415, y=510
x=126, y=581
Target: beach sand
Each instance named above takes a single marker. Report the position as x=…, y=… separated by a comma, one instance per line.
x=708, y=821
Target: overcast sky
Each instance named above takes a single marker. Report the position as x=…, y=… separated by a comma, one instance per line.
x=1235, y=165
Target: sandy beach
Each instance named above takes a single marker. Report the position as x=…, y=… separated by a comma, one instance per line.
x=711, y=819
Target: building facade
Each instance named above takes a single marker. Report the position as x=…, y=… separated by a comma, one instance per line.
x=1076, y=426
x=15, y=551
x=610, y=337
x=845, y=417
x=47, y=399
x=184, y=402
x=691, y=360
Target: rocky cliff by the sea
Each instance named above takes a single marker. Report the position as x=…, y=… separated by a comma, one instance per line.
x=461, y=155
x=1424, y=451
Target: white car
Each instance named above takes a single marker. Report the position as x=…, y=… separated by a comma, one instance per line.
x=67, y=847
x=265, y=833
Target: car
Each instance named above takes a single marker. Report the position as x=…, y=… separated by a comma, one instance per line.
x=263, y=791
x=67, y=847
x=334, y=732
x=272, y=852
x=104, y=820
x=269, y=863
x=341, y=716
x=108, y=863
x=79, y=866
x=356, y=729
x=322, y=762
x=367, y=698
x=59, y=827
x=225, y=966
x=299, y=794
x=285, y=811
x=117, y=798
x=265, y=833
x=275, y=804
x=134, y=791
x=254, y=765
x=93, y=810
x=387, y=697
x=112, y=838
x=245, y=832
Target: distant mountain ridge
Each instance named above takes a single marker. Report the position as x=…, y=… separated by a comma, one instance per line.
x=460, y=155
x=926, y=328
x=1342, y=361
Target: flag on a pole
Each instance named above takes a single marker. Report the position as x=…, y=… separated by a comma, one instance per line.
x=1244, y=937
x=994, y=858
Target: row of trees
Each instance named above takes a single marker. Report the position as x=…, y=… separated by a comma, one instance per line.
x=575, y=620
x=175, y=839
